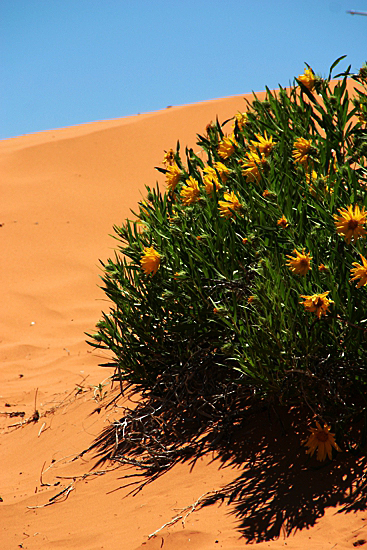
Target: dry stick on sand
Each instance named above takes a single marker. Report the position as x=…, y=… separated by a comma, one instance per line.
x=67, y=490
x=34, y=418
x=64, y=493
x=88, y=474
x=188, y=509
x=41, y=479
x=75, y=393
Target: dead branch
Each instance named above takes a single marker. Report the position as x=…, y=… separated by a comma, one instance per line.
x=188, y=509
x=53, y=500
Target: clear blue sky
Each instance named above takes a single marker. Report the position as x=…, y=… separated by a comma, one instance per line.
x=66, y=62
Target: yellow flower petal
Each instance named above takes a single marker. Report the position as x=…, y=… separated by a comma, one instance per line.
x=150, y=261
x=190, y=192
x=317, y=303
x=230, y=205
x=360, y=272
x=300, y=263
x=350, y=222
x=323, y=440
x=308, y=79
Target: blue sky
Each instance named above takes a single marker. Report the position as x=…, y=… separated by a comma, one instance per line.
x=67, y=62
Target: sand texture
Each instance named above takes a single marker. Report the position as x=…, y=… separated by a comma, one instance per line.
x=61, y=193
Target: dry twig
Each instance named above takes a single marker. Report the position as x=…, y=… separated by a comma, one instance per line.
x=53, y=500
x=188, y=509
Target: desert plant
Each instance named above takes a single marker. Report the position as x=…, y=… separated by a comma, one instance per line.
x=251, y=264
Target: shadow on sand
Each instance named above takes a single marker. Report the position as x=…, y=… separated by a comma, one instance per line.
x=278, y=489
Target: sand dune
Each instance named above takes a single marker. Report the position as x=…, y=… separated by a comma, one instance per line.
x=62, y=191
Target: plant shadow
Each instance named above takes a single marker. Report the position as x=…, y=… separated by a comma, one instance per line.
x=279, y=489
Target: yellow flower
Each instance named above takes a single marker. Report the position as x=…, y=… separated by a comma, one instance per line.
x=264, y=144
x=312, y=177
x=222, y=170
x=241, y=119
x=360, y=272
x=230, y=205
x=283, y=222
x=322, y=440
x=308, y=79
x=300, y=263
x=323, y=268
x=317, y=303
x=150, y=261
x=301, y=149
x=190, y=192
x=210, y=179
x=173, y=175
x=253, y=165
x=251, y=299
x=169, y=157
x=350, y=223
x=227, y=146
x=144, y=208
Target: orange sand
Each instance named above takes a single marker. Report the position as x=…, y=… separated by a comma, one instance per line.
x=62, y=191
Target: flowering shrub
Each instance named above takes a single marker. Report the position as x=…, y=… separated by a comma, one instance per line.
x=243, y=265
